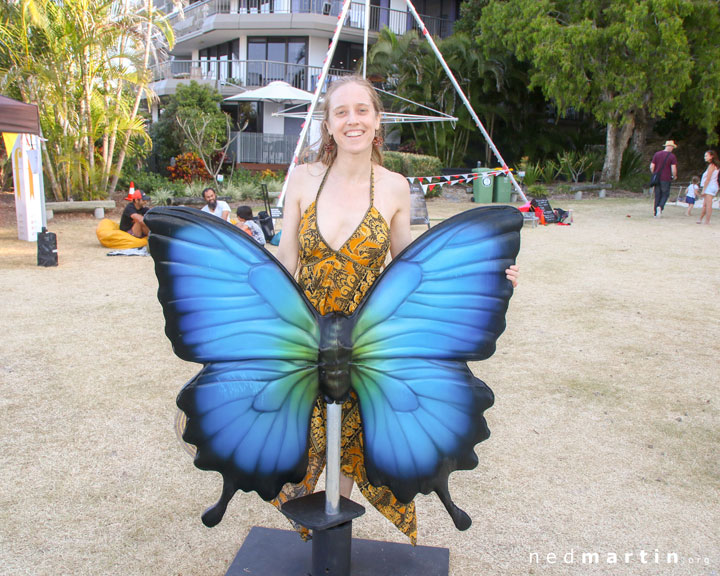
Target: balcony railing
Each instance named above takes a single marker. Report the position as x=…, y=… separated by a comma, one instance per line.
x=263, y=148
x=243, y=73
x=398, y=21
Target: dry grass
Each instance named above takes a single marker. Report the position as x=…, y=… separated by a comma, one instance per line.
x=604, y=433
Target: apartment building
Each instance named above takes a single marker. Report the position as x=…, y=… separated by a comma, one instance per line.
x=235, y=45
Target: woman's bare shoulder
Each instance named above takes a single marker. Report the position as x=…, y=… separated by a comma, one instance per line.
x=395, y=183
x=303, y=183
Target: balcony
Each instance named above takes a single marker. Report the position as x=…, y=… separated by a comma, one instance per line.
x=253, y=148
x=228, y=75
x=211, y=15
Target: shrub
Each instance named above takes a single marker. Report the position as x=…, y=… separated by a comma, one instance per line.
x=632, y=163
x=537, y=191
x=243, y=191
x=572, y=164
x=412, y=164
x=533, y=173
x=550, y=171
x=393, y=161
x=422, y=165
x=162, y=196
x=188, y=168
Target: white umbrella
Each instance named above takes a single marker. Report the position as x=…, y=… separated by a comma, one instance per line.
x=277, y=91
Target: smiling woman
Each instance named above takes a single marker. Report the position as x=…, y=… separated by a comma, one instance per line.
x=343, y=214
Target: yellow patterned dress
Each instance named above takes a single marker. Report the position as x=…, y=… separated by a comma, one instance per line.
x=337, y=281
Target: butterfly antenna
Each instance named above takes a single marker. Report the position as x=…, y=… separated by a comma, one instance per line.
x=212, y=516
x=460, y=518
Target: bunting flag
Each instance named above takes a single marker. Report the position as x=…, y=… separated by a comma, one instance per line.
x=429, y=182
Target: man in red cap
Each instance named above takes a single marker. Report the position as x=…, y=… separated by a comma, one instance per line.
x=131, y=220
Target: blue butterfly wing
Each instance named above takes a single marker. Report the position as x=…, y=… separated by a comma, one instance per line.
x=223, y=295
x=439, y=304
x=230, y=305
x=250, y=422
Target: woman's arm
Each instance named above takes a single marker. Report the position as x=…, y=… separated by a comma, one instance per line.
x=400, y=235
x=289, y=249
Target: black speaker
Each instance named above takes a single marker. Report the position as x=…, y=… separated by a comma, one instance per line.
x=47, y=248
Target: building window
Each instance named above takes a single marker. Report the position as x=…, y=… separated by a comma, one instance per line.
x=222, y=61
x=347, y=55
x=271, y=59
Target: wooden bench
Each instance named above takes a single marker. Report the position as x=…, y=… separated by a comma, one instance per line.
x=98, y=207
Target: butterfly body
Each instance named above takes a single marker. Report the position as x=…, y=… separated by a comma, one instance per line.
x=268, y=354
x=335, y=355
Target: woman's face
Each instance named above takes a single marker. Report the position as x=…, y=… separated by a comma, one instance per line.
x=352, y=119
x=707, y=157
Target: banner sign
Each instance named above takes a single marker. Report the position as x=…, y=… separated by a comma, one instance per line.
x=24, y=152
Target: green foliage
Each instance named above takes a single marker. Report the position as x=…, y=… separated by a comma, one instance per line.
x=550, y=171
x=393, y=161
x=83, y=62
x=162, y=196
x=247, y=190
x=415, y=73
x=572, y=164
x=620, y=61
x=632, y=163
x=195, y=105
x=634, y=182
x=533, y=173
x=537, y=191
x=422, y=165
x=412, y=164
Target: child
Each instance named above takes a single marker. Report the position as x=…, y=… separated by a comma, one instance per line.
x=691, y=193
x=246, y=223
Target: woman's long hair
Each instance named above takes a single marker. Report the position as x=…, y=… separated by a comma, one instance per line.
x=327, y=148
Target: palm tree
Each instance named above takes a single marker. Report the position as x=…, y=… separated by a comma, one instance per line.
x=411, y=67
x=85, y=63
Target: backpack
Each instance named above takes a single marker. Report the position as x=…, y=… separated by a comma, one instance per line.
x=266, y=225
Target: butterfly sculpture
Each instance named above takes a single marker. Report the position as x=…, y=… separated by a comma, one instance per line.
x=267, y=354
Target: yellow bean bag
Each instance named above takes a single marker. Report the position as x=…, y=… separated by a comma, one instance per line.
x=110, y=236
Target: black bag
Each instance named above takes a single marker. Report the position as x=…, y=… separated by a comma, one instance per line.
x=266, y=225
x=47, y=248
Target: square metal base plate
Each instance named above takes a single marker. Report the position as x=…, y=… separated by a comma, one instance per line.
x=272, y=552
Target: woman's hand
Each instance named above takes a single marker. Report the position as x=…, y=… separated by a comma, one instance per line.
x=513, y=274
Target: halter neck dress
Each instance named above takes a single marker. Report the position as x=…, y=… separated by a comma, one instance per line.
x=337, y=281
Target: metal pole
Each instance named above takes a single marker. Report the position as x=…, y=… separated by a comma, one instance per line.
x=316, y=97
x=479, y=124
x=365, y=37
x=332, y=467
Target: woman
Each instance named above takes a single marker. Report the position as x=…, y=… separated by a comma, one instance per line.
x=343, y=214
x=709, y=185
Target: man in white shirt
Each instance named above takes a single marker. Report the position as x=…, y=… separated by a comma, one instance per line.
x=214, y=206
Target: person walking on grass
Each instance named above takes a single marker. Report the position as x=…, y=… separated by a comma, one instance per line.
x=691, y=194
x=664, y=162
x=709, y=185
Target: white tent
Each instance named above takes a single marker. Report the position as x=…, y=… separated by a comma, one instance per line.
x=277, y=91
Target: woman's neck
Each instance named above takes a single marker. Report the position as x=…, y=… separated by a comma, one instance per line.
x=352, y=167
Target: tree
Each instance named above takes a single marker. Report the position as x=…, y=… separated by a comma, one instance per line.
x=620, y=60
x=195, y=105
x=84, y=62
x=411, y=67
x=204, y=140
